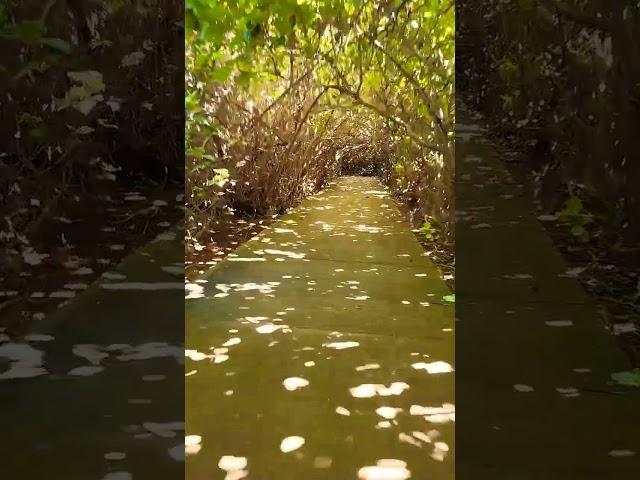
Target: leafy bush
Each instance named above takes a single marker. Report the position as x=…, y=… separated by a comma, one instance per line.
x=576, y=218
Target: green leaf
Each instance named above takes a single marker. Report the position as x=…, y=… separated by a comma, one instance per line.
x=221, y=74
x=38, y=133
x=450, y=298
x=197, y=152
x=244, y=78
x=630, y=378
x=573, y=205
x=28, y=31
x=578, y=231
x=57, y=44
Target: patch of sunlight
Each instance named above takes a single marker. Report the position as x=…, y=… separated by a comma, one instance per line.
x=26, y=361
x=286, y=253
x=115, y=456
x=113, y=276
x=232, y=341
x=246, y=259
x=269, y=328
x=260, y=287
x=406, y=438
x=196, y=356
x=234, y=466
x=377, y=193
x=368, y=390
x=343, y=411
x=568, y=392
x=368, y=366
x=178, y=452
x=519, y=276
x=220, y=358
x=289, y=444
x=341, y=345
x=582, y=370
x=164, y=430
x=255, y=319
x=118, y=476
x=388, y=412
x=428, y=437
x=385, y=469
x=433, y=367
x=440, y=451
x=38, y=337
x=294, y=383
x=443, y=414
x=89, y=352
x=622, y=453
x=519, y=387
x=194, y=291
x=367, y=229
x=559, y=323
x=85, y=371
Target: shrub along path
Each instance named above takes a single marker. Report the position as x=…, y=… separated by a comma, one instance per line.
x=534, y=360
x=321, y=347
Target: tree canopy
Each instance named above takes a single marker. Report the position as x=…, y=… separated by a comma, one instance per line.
x=298, y=85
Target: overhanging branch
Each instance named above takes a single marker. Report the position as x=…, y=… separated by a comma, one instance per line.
x=360, y=101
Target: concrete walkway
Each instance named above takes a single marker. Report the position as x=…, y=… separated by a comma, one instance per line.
x=321, y=349
x=534, y=359
x=95, y=392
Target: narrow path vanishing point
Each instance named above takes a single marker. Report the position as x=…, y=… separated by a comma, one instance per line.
x=321, y=347
x=535, y=398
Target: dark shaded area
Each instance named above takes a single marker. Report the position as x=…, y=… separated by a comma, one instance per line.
x=546, y=236
x=558, y=84
x=561, y=80
x=537, y=375
x=374, y=165
x=92, y=135
x=91, y=170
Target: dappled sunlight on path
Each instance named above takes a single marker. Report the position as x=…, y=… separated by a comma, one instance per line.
x=534, y=386
x=96, y=390
x=323, y=348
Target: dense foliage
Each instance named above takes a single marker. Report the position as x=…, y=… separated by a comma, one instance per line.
x=284, y=95
x=90, y=103
x=563, y=77
x=88, y=93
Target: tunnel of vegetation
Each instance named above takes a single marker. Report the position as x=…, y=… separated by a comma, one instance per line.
x=283, y=96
